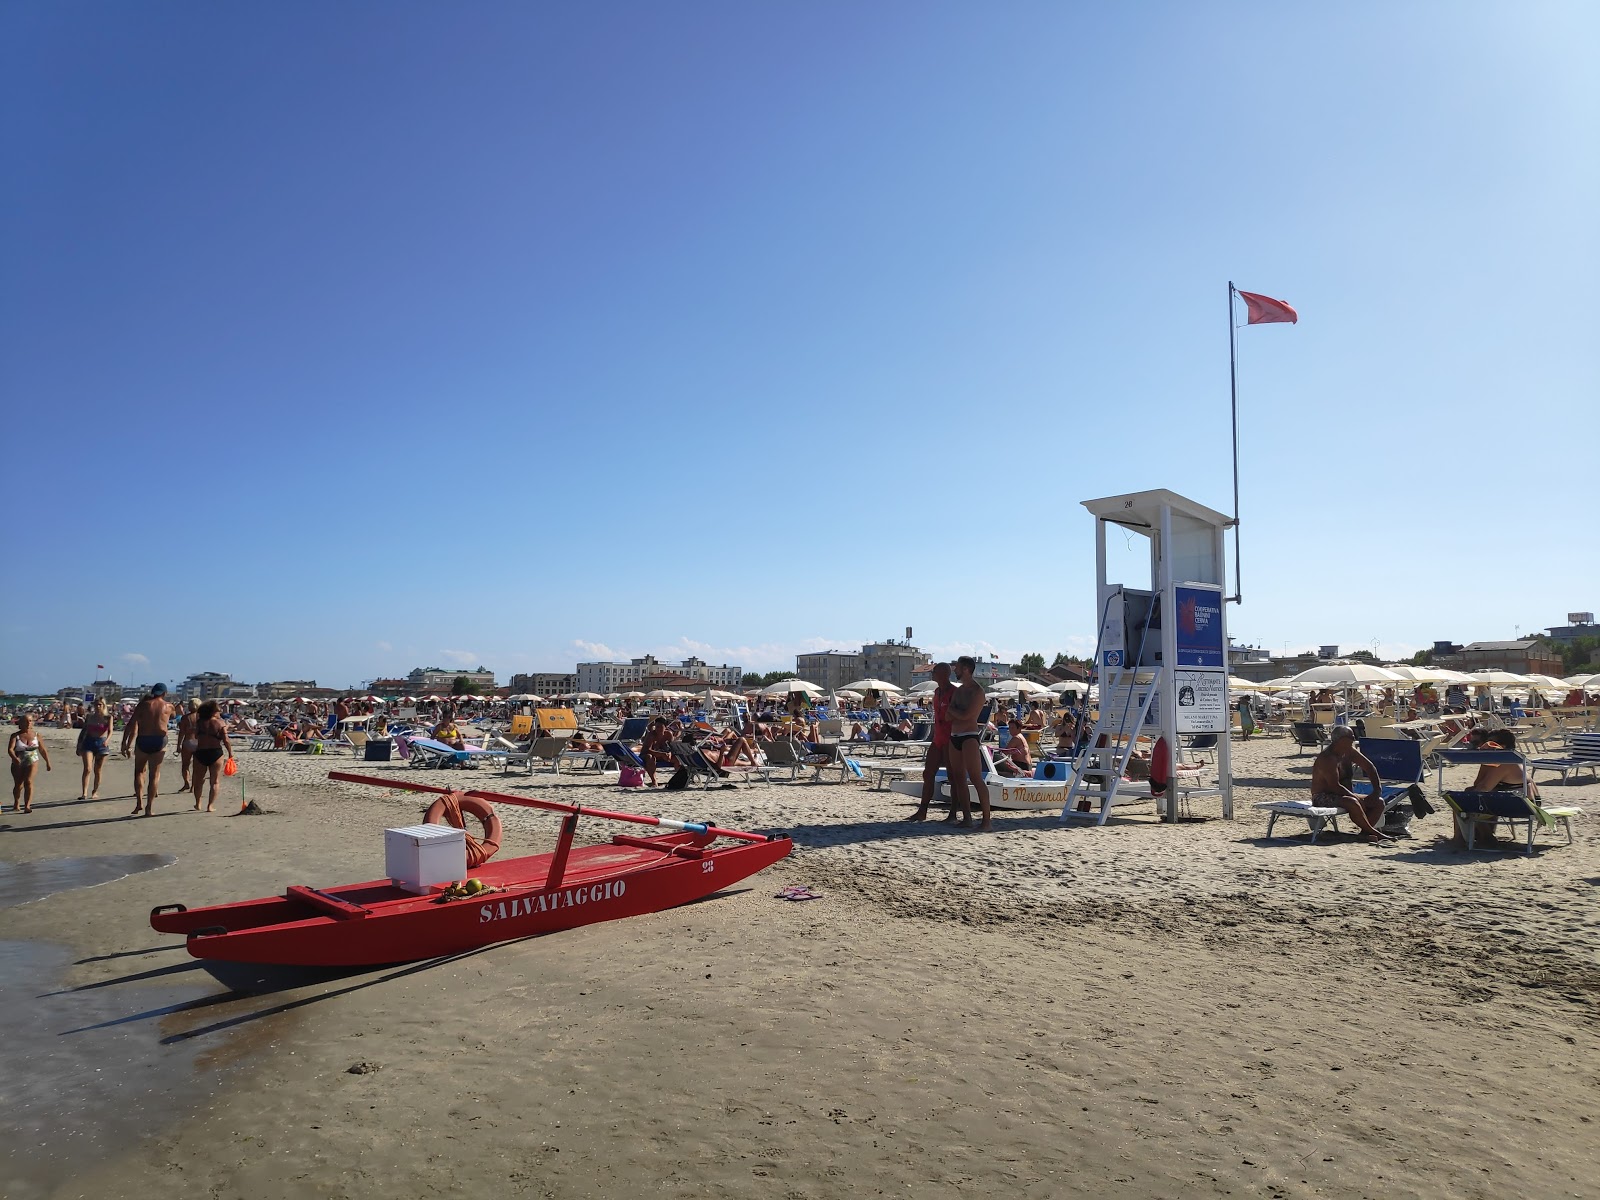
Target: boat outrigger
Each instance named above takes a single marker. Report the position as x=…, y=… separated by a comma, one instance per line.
x=381, y=922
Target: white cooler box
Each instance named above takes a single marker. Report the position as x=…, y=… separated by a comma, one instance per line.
x=421, y=855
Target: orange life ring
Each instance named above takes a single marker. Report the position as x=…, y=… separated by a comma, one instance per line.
x=449, y=809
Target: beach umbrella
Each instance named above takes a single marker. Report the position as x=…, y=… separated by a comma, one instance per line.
x=524, y=698
x=785, y=687
x=1346, y=675
x=1491, y=677
x=661, y=694
x=587, y=696
x=1235, y=684
x=1546, y=683
x=872, y=685
x=1068, y=685
x=926, y=688
x=631, y=696
x=847, y=694
x=1018, y=687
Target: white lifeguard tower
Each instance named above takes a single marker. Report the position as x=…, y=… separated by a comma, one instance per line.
x=1162, y=652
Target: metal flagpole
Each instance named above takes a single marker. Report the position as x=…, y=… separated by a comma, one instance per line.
x=1233, y=382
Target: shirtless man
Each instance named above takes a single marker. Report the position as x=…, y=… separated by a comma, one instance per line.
x=1014, y=759
x=147, y=731
x=939, y=749
x=1330, y=784
x=966, y=759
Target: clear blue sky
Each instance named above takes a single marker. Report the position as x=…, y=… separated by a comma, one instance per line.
x=341, y=339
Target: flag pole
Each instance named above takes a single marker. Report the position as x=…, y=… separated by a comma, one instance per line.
x=1233, y=383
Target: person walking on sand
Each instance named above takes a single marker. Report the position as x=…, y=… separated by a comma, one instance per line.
x=966, y=756
x=211, y=734
x=25, y=749
x=1330, y=784
x=94, y=743
x=939, y=745
x=146, y=731
x=186, y=740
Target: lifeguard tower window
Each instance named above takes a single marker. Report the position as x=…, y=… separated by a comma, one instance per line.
x=1129, y=557
x=1146, y=643
x=1193, y=551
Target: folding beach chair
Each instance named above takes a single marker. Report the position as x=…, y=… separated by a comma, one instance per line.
x=783, y=754
x=1583, y=755
x=689, y=758
x=1309, y=733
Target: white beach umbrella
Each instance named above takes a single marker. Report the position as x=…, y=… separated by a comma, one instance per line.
x=873, y=685
x=1235, y=684
x=1068, y=685
x=587, y=696
x=785, y=687
x=847, y=694
x=1419, y=674
x=1346, y=675
x=631, y=696
x=926, y=688
x=1546, y=683
x=1491, y=677
x=1019, y=687
x=661, y=694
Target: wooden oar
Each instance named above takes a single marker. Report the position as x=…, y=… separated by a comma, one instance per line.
x=554, y=806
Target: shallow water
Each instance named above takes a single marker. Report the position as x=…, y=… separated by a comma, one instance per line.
x=23, y=883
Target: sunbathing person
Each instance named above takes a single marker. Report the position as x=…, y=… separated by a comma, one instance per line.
x=1035, y=717
x=1493, y=777
x=1330, y=784
x=1013, y=759
x=447, y=732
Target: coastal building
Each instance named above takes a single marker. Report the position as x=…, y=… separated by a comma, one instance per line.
x=1579, y=625
x=895, y=661
x=206, y=685
x=428, y=681
x=988, y=672
x=1524, y=656
x=283, y=689
x=604, y=677
x=387, y=687
x=544, y=683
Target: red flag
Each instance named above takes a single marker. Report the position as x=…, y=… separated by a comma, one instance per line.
x=99, y=666
x=1264, y=310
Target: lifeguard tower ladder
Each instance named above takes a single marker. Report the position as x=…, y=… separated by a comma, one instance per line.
x=1161, y=653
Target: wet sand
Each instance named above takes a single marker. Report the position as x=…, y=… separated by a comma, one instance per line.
x=1140, y=1010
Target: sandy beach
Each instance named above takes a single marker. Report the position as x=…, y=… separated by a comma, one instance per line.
x=1139, y=1010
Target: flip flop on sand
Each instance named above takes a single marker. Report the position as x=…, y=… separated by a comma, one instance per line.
x=798, y=892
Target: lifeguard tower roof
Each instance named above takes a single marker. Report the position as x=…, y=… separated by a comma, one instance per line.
x=1142, y=510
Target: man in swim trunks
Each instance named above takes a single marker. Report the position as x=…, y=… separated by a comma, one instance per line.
x=966, y=758
x=939, y=750
x=147, y=730
x=1330, y=784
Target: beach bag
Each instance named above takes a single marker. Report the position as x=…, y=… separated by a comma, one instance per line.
x=230, y=766
x=679, y=780
x=630, y=777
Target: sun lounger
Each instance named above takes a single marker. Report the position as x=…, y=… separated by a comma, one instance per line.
x=782, y=754
x=1400, y=769
x=1583, y=755
x=1316, y=815
x=1309, y=733
x=428, y=754
x=1510, y=807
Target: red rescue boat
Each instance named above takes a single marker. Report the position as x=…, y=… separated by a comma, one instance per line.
x=378, y=923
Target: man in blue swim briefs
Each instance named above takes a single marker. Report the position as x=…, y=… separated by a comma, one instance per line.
x=147, y=730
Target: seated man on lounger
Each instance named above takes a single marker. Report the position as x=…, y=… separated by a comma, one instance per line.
x=1330, y=783
x=1492, y=777
x=1013, y=759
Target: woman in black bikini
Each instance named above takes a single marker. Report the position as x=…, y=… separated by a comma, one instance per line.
x=211, y=736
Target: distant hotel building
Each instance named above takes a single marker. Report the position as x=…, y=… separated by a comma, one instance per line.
x=892, y=661
x=544, y=683
x=428, y=681
x=604, y=677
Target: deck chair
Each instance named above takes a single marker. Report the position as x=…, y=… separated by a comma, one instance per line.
x=700, y=768
x=1583, y=754
x=631, y=729
x=1401, y=769
x=1203, y=746
x=783, y=754
x=1309, y=733
x=429, y=755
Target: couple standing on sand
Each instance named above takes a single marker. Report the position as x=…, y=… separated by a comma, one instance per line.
x=956, y=737
x=203, y=735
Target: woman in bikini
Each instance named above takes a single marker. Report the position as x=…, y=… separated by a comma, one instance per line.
x=93, y=746
x=25, y=749
x=186, y=740
x=211, y=740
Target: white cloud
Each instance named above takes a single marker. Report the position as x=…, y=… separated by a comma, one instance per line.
x=135, y=660
x=461, y=658
x=385, y=647
x=599, y=651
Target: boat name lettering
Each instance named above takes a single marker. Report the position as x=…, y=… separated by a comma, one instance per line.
x=521, y=906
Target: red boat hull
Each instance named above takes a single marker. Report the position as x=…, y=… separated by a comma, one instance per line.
x=377, y=923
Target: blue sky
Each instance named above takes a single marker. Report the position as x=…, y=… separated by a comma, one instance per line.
x=338, y=340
